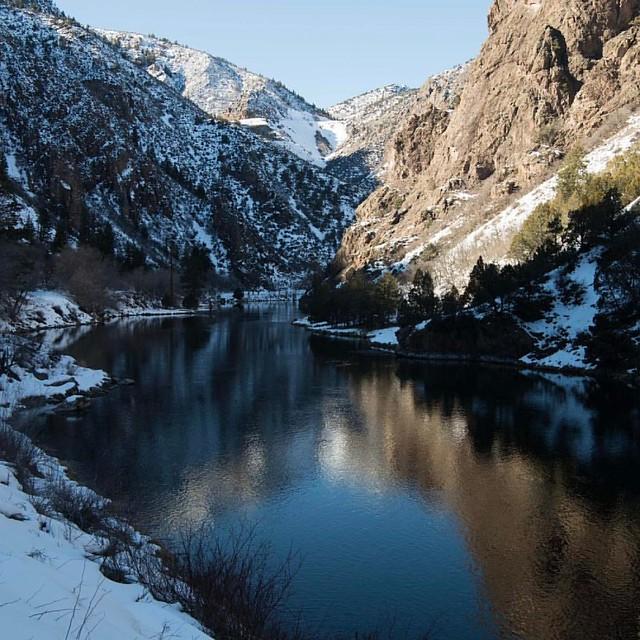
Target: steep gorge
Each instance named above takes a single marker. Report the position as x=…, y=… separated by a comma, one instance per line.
x=551, y=74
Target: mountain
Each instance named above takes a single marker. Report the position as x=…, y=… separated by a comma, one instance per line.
x=551, y=76
x=371, y=120
x=347, y=139
x=87, y=135
x=375, y=119
x=224, y=90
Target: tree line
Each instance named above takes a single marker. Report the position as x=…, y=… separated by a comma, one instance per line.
x=587, y=212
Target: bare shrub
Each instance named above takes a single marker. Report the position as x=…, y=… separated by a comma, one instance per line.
x=87, y=276
x=21, y=269
x=229, y=588
x=150, y=283
x=19, y=451
x=80, y=506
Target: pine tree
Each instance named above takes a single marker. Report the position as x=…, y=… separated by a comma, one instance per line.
x=61, y=237
x=196, y=268
x=451, y=302
x=422, y=302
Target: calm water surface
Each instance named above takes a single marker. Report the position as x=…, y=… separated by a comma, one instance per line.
x=480, y=503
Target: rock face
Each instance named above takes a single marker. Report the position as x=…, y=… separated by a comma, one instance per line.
x=551, y=73
x=84, y=132
x=371, y=120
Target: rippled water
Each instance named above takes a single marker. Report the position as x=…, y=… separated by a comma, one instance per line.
x=476, y=502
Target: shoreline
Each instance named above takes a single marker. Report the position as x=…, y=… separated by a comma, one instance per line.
x=61, y=558
x=364, y=336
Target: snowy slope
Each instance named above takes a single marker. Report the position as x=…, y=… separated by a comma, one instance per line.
x=225, y=90
x=557, y=334
x=460, y=238
x=49, y=589
x=371, y=121
x=84, y=130
x=511, y=219
x=51, y=585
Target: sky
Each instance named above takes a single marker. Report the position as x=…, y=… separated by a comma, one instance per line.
x=325, y=50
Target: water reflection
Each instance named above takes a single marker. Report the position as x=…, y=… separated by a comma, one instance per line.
x=495, y=503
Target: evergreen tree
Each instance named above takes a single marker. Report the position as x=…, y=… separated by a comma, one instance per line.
x=484, y=284
x=61, y=237
x=104, y=240
x=421, y=302
x=134, y=257
x=195, y=271
x=573, y=175
x=594, y=222
x=451, y=302
x=387, y=298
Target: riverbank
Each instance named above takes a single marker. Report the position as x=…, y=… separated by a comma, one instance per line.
x=382, y=339
x=52, y=585
x=59, y=545
x=387, y=340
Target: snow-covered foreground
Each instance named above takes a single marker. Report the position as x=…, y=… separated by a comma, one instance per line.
x=51, y=589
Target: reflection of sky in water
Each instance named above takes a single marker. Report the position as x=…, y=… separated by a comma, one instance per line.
x=475, y=499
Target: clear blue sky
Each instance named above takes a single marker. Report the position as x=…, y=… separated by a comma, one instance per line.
x=326, y=50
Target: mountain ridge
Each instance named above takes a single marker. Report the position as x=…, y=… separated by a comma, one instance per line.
x=455, y=168
x=87, y=133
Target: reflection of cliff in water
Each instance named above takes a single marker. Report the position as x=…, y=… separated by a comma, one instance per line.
x=545, y=486
x=540, y=471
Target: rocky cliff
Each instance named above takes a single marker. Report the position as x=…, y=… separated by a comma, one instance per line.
x=551, y=74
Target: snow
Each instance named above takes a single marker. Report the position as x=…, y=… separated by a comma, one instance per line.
x=225, y=90
x=254, y=122
x=385, y=337
x=12, y=168
x=632, y=205
x=564, y=323
x=46, y=309
x=299, y=130
x=50, y=584
x=512, y=218
x=55, y=381
x=335, y=132
x=203, y=237
x=174, y=133
x=50, y=589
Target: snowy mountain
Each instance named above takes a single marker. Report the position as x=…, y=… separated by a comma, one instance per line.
x=371, y=121
x=85, y=133
x=227, y=91
x=347, y=139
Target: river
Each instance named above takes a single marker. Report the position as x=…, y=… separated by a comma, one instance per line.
x=478, y=503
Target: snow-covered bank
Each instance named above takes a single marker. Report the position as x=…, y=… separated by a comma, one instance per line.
x=51, y=585
x=378, y=338
x=45, y=309
x=55, y=381
x=572, y=296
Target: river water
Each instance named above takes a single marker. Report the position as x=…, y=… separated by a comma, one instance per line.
x=478, y=503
